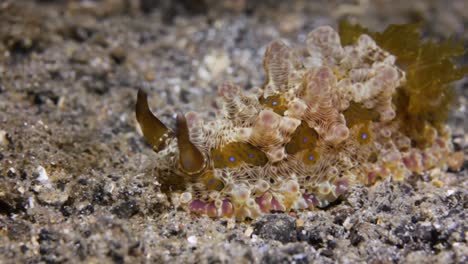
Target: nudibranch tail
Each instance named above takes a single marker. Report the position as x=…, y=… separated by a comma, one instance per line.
x=191, y=159
x=154, y=131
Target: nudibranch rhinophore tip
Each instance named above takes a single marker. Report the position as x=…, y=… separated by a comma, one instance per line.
x=320, y=124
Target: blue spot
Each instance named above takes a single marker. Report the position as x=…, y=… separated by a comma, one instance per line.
x=217, y=157
x=210, y=182
x=274, y=103
x=232, y=159
x=304, y=140
x=311, y=157
x=364, y=136
x=251, y=155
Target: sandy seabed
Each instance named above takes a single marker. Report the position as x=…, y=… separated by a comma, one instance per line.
x=73, y=180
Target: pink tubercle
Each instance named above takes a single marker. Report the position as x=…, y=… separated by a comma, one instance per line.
x=428, y=160
x=341, y=186
x=210, y=209
x=371, y=177
x=379, y=171
x=413, y=162
x=228, y=90
x=267, y=203
x=277, y=206
x=311, y=200
x=264, y=202
x=323, y=75
x=227, y=209
x=441, y=143
x=197, y=206
x=384, y=171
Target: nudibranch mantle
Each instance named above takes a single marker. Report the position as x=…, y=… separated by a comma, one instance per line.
x=320, y=123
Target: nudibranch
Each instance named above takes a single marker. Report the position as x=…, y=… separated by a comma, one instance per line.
x=349, y=108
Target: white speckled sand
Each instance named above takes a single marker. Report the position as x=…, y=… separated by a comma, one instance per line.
x=72, y=182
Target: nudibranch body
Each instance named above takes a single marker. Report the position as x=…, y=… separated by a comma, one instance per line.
x=320, y=123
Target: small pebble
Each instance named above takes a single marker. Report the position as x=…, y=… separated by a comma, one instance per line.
x=248, y=232
x=192, y=240
x=3, y=138
x=42, y=175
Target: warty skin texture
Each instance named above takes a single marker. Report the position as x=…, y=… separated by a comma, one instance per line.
x=321, y=123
